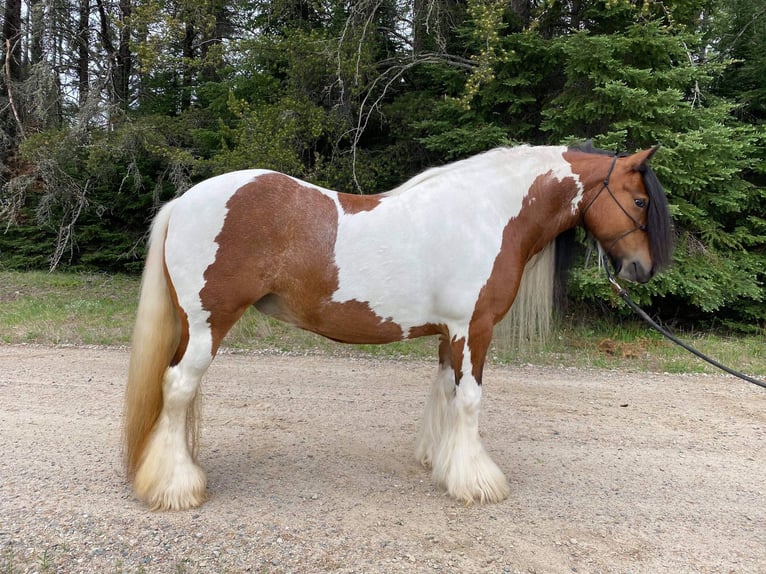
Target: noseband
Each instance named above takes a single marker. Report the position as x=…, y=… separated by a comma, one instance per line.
x=605, y=186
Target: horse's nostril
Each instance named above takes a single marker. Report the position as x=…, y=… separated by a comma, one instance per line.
x=640, y=274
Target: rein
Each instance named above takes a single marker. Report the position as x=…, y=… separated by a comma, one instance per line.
x=618, y=290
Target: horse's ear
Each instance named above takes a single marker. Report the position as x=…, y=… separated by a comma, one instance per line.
x=641, y=159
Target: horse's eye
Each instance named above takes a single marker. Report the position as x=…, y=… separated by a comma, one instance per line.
x=640, y=203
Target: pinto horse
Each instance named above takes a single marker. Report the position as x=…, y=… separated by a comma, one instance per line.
x=443, y=254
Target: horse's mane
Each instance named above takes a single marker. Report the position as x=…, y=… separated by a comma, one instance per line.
x=442, y=170
x=420, y=178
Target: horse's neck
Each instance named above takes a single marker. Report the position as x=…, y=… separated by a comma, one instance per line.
x=495, y=188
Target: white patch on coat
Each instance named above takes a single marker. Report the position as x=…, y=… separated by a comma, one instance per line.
x=190, y=247
x=425, y=252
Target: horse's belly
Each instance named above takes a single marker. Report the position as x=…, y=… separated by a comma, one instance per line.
x=347, y=322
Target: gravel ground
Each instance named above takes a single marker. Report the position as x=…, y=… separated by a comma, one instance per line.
x=311, y=469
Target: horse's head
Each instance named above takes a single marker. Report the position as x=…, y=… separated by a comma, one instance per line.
x=625, y=208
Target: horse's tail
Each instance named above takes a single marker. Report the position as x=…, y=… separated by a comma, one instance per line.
x=529, y=319
x=155, y=339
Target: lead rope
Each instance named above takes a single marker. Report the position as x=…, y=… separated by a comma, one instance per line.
x=618, y=290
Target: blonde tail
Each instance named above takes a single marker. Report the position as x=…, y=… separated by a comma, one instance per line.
x=155, y=339
x=529, y=319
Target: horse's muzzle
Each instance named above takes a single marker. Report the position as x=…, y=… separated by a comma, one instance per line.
x=632, y=271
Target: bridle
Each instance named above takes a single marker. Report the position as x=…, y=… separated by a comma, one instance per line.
x=618, y=290
x=605, y=186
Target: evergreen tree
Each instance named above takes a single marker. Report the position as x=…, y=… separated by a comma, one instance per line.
x=120, y=115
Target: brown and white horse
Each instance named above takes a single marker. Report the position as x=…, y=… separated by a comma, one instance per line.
x=441, y=255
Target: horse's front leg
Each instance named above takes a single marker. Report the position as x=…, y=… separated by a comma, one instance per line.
x=442, y=392
x=459, y=460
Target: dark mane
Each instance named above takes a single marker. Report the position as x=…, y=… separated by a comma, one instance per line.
x=659, y=223
x=587, y=147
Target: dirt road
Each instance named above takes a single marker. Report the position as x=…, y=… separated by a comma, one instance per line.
x=311, y=469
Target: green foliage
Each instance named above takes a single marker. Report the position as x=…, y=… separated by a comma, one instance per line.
x=91, y=195
x=627, y=87
x=642, y=87
x=361, y=96
x=739, y=33
x=282, y=136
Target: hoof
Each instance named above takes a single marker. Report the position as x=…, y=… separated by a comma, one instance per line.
x=484, y=488
x=471, y=477
x=170, y=487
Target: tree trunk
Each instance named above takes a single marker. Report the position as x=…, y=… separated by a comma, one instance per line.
x=120, y=60
x=83, y=53
x=187, y=73
x=209, y=48
x=124, y=57
x=11, y=116
x=37, y=25
x=12, y=39
x=523, y=10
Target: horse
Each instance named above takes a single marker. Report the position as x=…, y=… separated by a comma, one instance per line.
x=443, y=254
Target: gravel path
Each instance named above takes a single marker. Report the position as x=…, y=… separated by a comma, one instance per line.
x=311, y=469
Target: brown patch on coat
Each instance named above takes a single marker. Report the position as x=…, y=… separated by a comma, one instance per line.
x=183, y=319
x=589, y=167
x=427, y=330
x=457, y=353
x=447, y=352
x=352, y=204
x=544, y=215
x=276, y=251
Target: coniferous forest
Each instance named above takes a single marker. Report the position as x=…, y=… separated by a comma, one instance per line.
x=110, y=107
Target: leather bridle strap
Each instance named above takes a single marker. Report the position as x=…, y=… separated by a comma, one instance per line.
x=605, y=186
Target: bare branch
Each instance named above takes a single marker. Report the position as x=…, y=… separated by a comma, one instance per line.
x=752, y=21
x=9, y=82
x=64, y=236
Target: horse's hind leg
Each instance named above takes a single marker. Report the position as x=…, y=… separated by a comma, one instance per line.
x=168, y=477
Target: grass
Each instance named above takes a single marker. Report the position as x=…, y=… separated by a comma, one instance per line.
x=97, y=309
x=634, y=345
x=59, y=308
